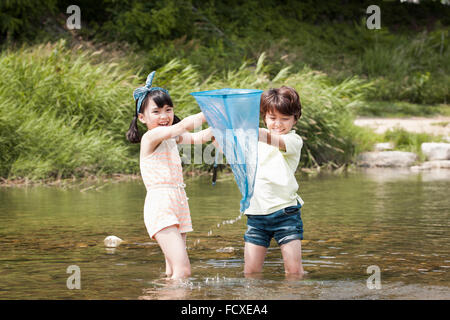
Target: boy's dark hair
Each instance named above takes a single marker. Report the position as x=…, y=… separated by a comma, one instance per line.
x=285, y=100
x=161, y=99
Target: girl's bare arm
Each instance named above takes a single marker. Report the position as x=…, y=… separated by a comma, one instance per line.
x=152, y=138
x=195, y=138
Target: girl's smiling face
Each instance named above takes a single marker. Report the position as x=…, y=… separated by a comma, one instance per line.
x=279, y=123
x=154, y=116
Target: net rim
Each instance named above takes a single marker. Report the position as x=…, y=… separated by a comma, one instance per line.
x=220, y=92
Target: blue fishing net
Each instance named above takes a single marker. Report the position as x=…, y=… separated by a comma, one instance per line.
x=233, y=115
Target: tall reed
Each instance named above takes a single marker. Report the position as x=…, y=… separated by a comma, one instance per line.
x=64, y=112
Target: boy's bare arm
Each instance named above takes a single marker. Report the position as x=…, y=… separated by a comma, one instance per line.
x=272, y=139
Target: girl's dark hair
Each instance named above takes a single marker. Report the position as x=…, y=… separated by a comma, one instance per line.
x=285, y=100
x=161, y=99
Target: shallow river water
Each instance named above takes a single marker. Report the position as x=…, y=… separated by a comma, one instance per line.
x=395, y=220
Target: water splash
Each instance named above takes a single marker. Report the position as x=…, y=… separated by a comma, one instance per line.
x=224, y=222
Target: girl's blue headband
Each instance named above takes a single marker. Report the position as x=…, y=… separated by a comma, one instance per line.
x=140, y=93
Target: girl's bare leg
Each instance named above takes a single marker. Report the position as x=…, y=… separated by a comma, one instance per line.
x=168, y=266
x=168, y=269
x=173, y=245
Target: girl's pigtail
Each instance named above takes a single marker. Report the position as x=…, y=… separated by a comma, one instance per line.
x=175, y=120
x=133, y=132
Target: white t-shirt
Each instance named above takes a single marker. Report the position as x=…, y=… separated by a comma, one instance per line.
x=275, y=183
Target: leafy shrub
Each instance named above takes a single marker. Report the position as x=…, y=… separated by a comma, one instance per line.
x=63, y=113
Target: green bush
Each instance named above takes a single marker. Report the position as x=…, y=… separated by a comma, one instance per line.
x=63, y=113
x=18, y=17
x=408, y=141
x=406, y=59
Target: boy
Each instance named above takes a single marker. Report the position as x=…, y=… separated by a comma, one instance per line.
x=274, y=209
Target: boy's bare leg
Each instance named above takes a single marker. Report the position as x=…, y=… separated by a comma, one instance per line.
x=253, y=257
x=173, y=245
x=292, y=257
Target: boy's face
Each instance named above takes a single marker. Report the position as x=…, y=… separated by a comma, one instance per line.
x=279, y=123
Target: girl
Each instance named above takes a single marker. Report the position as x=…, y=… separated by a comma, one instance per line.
x=166, y=211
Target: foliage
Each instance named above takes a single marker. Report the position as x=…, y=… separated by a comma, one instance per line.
x=406, y=59
x=17, y=17
x=64, y=113
x=61, y=114
x=407, y=141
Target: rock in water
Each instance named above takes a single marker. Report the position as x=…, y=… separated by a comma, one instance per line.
x=386, y=159
x=436, y=150
x=112, y=241
x=383, y=146
x=432, y=165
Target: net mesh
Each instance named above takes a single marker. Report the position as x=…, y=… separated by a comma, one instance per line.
x=233, y=115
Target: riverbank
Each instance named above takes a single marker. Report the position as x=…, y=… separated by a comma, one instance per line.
x=419, y=143
x=91, y=182
x=437, y=125
x=88, y=182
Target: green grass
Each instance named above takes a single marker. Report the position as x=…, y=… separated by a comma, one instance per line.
x=441, y=124
x=63, y=115
x=409, y=141
x=402, y=140
x=64, y=112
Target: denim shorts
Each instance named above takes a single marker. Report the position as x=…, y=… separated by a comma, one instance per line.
x=284, y=225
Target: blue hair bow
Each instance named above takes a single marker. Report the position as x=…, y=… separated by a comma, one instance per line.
x=140, y=93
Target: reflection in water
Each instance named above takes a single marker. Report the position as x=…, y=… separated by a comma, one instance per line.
x=394, y=219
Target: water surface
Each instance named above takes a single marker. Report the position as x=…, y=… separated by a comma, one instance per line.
x=396, y=220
